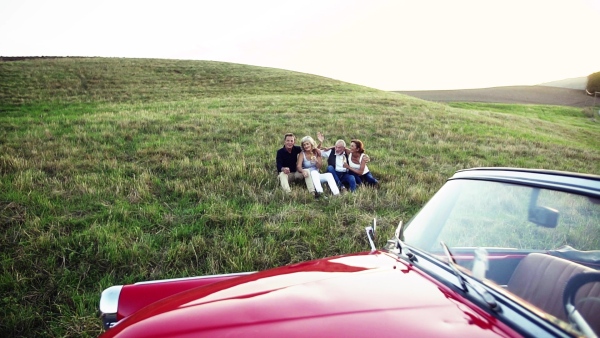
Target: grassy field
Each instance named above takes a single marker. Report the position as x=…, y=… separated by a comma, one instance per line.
x=115, y=171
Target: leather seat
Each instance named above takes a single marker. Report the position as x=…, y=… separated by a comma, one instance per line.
x=540, y=279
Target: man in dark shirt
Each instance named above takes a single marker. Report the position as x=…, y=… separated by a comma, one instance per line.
x=286, y=160
x=336, y=158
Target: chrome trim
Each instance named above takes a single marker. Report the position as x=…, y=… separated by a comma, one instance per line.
x=109, y=304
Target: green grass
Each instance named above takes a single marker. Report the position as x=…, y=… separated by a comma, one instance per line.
x=114, y=171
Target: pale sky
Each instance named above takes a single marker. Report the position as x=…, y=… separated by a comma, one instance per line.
x=383, y=44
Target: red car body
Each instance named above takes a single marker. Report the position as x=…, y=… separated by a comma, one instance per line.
x=362, y=295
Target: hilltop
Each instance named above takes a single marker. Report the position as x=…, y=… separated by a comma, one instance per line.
x=149, y=80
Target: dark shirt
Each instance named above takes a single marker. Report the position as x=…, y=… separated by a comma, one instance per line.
x=285, y=159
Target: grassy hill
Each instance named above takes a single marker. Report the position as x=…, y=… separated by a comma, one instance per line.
x=114, y=171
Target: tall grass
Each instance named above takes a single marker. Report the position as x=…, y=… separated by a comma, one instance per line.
x=114, y=171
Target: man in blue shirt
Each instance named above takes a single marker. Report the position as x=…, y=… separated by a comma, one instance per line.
x=286, y=164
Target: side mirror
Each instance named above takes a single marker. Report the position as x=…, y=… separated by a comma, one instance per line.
x=573, y=286
x=543, y=216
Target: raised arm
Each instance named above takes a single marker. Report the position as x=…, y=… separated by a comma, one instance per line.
x=321, y=138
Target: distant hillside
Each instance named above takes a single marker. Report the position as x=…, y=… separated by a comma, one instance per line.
x=566, y=92
x=572, y=83
x=544, y=95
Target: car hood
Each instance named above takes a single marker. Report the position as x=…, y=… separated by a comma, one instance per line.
x=355, y=295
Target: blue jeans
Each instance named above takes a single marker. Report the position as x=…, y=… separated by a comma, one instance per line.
x=342, y=177
x=367, y=179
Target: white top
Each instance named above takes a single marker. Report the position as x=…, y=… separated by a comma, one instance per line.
x=307, y=164
x=339, y=160
x=357, y=166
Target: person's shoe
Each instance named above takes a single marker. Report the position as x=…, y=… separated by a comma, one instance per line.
x=343, y=190
x=319, y=195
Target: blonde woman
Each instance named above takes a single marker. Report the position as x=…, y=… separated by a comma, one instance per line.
x=309, y=162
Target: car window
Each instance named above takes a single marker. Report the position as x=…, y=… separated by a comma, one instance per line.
x=473, y=213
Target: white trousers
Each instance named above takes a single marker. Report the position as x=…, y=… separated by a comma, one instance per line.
x=319, y=178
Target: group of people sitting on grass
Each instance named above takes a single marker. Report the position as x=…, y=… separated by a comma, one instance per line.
x=346, y=167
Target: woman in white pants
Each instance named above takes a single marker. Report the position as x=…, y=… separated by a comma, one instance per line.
x=309, y=163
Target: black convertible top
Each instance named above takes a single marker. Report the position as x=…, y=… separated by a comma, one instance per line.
x=578, y=183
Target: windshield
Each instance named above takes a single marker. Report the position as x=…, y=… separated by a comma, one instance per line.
x=474, y=213
x=527, y=241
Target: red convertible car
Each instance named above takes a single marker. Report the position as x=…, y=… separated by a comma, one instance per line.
x=496, y=252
